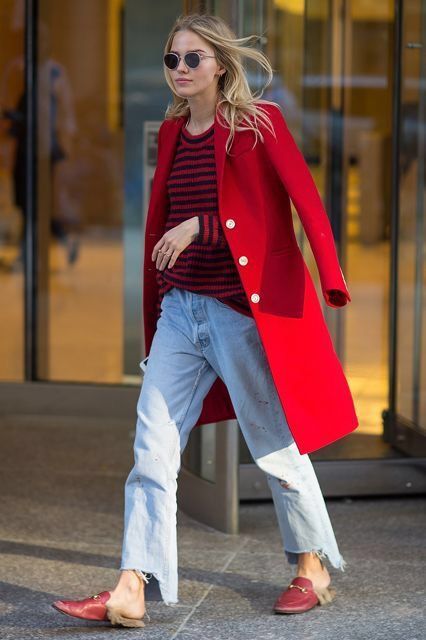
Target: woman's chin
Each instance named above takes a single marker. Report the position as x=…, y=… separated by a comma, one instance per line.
x=184, y=92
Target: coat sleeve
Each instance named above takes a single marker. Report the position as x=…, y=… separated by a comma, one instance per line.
x=294, y=173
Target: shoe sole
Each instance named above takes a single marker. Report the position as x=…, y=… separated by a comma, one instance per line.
x=280, y=611
x=117, y=619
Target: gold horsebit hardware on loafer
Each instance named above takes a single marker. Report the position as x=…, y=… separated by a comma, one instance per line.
x=96, y=597
x=298, y=587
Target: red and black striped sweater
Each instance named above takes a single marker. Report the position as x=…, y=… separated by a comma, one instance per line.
x=206, y=266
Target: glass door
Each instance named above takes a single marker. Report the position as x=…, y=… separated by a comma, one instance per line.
x=408, y=384
x=71, y=235
x=82, y=89
x=334, y=78
x=361, y=94
x=12, y=184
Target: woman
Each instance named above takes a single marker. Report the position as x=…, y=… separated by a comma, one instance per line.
x=233, y=326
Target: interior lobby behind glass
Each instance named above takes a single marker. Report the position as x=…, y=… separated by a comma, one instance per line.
x=101, y=99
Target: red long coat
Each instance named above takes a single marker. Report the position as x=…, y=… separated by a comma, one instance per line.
x=254, y=191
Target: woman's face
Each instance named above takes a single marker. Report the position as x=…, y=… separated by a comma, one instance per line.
x=194, y=82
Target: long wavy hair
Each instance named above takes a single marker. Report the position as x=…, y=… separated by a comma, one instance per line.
x=237, y=107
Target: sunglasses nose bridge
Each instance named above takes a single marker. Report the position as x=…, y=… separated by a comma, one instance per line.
x=184, y=65
x=180, y=61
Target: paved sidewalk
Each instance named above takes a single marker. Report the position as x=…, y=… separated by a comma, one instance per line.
x=61, y=498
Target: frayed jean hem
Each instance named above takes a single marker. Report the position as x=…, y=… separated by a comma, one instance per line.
x=292, y=557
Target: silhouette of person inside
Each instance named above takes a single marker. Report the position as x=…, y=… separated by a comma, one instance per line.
x=55, y=137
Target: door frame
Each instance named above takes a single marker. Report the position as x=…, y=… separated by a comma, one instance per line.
x=215, y=504
x=399, y=430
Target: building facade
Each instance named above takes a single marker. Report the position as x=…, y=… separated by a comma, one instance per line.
x=82, y=94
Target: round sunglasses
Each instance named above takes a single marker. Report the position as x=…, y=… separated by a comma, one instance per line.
x=192, y=59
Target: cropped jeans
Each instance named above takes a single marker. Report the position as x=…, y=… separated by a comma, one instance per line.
x=198, y=338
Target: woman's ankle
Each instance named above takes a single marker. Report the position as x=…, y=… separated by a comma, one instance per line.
x=130, y=582
x=309, y=563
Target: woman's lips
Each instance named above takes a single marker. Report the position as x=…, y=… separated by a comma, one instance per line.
x=183, y=81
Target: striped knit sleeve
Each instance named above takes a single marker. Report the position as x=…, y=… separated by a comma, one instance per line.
x=211, y=232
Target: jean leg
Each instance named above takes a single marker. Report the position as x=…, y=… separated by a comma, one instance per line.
x=177, y=379
x=241, y=361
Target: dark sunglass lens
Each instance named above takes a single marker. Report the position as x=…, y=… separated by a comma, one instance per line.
x=171, y=60
x=192, y=60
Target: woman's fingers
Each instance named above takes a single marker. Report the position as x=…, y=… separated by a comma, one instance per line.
x=165, y=257
x=162, y=259
x=173, y=258
x=172, y=243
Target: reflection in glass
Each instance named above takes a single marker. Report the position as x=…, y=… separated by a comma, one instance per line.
x=80, y=190
x=411, y=316
x=333, y=80
x=12, y=204
x=367, y=102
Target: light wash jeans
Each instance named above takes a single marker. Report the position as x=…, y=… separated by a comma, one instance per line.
x=197, y=339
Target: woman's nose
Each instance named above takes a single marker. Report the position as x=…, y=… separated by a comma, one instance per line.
x=181, y=66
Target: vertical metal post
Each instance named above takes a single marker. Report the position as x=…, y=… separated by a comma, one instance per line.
x=389, y=417
x=336, y=197
x=420, y=220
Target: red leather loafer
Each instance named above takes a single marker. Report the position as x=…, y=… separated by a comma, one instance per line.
x=96, y=608
x=300, y=596
x=92, y=608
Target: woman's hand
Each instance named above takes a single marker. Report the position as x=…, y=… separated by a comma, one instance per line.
x=173, y=242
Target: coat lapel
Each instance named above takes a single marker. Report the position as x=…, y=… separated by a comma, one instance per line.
x=220, y=138
x=157, y=211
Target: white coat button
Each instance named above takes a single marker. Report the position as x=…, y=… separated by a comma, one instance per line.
x=255, y=297
x=243, y=260
x=230, y=223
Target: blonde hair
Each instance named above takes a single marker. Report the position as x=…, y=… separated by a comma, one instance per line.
x=237, y=107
